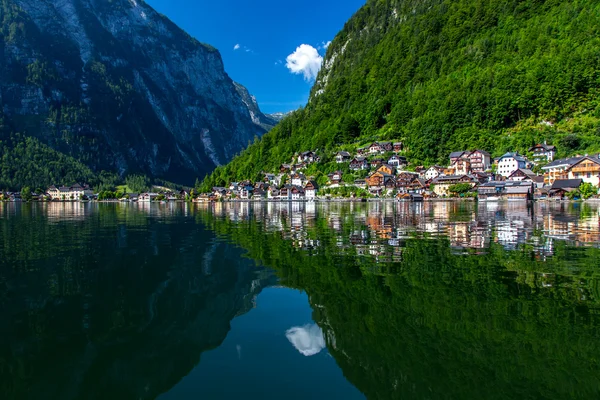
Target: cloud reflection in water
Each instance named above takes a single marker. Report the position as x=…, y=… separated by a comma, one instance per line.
x=307, y=339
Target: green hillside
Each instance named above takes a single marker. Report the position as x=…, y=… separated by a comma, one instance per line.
x=445, y=75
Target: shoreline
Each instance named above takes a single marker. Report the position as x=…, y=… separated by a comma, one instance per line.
x=337, y=200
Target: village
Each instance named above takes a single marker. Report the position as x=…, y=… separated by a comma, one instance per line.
x=384, y=173
x=388, y=175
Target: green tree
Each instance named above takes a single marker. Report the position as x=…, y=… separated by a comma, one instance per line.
x=460, y=188
x=26, y=194
x=588, y=190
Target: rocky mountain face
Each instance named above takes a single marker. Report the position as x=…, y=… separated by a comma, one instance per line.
x=265, y=121
x=119, y=87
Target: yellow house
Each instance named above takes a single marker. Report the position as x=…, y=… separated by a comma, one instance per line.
x=586, y=169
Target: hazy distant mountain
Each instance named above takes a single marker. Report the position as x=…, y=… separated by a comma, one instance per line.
x=279, y=115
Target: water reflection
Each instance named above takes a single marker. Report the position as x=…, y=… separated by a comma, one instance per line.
x=440, y=300
x=308, y=339
x=432, y=300
x=106, y=301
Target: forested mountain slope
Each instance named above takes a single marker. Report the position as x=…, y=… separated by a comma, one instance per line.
x=118, y=87
x=446, y=75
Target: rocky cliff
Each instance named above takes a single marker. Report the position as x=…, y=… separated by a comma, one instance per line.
x=119, y=87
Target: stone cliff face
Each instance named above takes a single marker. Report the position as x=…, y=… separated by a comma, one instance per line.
x=264, y=120
x=120, y=87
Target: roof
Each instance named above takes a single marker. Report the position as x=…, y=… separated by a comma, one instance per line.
x=563, y=162
x=543, y=146
x=566, y=184
x=343, y=153
x=518, y=189
x=457, y=154
x=516, y=156
x=527, y=172
x=485, y=153
x=592, y=159
x=450, y=178
x=313, y=183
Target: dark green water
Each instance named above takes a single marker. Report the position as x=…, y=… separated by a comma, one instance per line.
x=297, y=301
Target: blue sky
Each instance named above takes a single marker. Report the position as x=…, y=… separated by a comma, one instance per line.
x=267, y=32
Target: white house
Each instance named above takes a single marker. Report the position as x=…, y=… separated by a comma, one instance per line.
x=543, y=152
x=74, y=192
x=433, y=172
x=147, y=197
x=342, y=157
x=297, y=193
x=396, y=160
x=509, y=163
x=298, y=179
x=310, y=190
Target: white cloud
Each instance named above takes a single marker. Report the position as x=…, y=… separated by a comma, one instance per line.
x=324, y=45
x=305, y=60
x=307, y=339
x=236, y=47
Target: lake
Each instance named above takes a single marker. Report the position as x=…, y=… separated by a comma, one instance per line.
x=380, y=300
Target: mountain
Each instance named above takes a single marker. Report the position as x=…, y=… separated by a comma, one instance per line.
x=447, y=75
x=265, y=121
x=279, y=115
x=116, y=86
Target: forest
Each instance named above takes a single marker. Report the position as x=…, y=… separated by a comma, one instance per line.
x=444, y=76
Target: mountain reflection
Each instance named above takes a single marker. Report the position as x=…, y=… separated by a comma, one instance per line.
x=439, y=300
x=102, y=302
x=433, y=300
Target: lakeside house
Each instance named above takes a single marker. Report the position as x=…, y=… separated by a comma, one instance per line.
x=442, y=184
x=587, y=169
x=513, y=190
x=147, y=197
x=561, y=187
x=65, y=193
x=310, y=190
x=527, y=175
x=510, y=162
x=433, y=172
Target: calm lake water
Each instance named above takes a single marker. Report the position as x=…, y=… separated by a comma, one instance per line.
x=300, y=301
